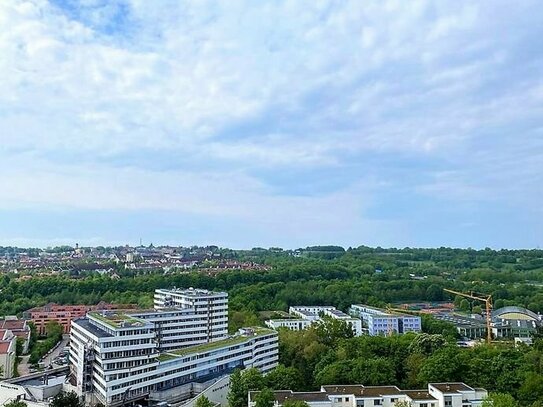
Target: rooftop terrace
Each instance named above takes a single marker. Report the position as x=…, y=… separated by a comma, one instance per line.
x=117, y=319
x=210, y=346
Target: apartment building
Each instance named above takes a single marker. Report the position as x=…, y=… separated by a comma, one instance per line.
x=305, y=316
x=8, y=346
x=436, y=395
x=159, y=355
x=63, y=314
x=381, y=322
x=19, y=328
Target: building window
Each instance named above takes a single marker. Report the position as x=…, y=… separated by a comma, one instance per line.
x=423, y=404
x=377, y=402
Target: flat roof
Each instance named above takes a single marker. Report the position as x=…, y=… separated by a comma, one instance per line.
x=117, y=319
x=419, y=395
x=93, y=329
x=451, y=387
x=364, y=391
x=284, y=395
x=209, y=346
x=191, y=292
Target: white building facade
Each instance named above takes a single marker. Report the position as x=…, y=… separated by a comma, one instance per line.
x=8, y=354
x=305, y=316
x=437, y=395
x=381, y=322
x=122, y=356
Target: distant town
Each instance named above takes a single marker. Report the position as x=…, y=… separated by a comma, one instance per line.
x=111, y=261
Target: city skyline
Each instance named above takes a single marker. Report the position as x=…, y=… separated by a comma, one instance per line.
x=243, y=124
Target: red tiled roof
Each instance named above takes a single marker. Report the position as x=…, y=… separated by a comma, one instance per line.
x=12, y=324
x=4, y=346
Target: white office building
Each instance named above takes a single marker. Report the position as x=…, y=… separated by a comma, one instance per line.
x=305, y=316
x=382, y=322
x=437, y=395
x=168, y=354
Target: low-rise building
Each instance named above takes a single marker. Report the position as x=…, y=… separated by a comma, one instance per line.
x=63, y=314
x=436, y=395
x=19, y=328
x=305, y=316
x=382, y=322
x=8, y=347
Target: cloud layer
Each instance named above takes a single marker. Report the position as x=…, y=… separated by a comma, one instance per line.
x=273, y=123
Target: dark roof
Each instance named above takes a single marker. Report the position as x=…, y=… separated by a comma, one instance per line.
x=93, y=329
x=419, y=395
x=451, y=387
x=363, y=391
x=283, y=395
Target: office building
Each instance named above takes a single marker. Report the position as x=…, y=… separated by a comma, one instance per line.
x=305, y=316
x=381, y=322
x=167, y=354
x=63, y=314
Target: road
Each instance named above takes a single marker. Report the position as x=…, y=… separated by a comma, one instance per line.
x=49, y=358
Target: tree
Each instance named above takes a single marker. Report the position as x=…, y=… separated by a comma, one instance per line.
x=434, y=293
x=373, y=372
x=532, y=389
x=338, y=372
x=16, y=403
x=464, y=305
x=285, y=378
x=331, y=330
x=252, y=380
x=403, y=403
x=66, y=399
x=203, y=401
x=426, y=344
x=264, y=398
x=237, y=392
x=446, y=365
x=499, y=400
x=295, y=403
x=241, y=382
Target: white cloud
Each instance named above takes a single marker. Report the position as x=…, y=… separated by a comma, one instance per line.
x=102, y=96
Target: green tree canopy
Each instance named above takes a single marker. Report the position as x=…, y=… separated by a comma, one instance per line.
x=295, y=403
x=203, y=401
x=500, y=400
x=16, y=403
x=264, y=398
x=66, y=399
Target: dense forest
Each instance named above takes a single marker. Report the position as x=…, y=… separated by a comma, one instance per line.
x=335, y=276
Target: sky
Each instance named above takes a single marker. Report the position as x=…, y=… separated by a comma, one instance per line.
x=271, y=123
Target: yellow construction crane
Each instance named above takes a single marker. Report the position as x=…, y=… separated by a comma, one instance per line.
x=487, y=299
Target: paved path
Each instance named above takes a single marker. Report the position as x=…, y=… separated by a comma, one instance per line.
x=23, y=368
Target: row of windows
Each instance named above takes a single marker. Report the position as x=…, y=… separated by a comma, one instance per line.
x=130, y=342
x=127, y=353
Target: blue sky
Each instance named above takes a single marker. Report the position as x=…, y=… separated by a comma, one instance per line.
x=271, y=123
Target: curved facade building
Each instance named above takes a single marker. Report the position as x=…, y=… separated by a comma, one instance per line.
x=514, y=322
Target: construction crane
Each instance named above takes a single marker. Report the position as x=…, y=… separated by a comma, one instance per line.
x=487, y=299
